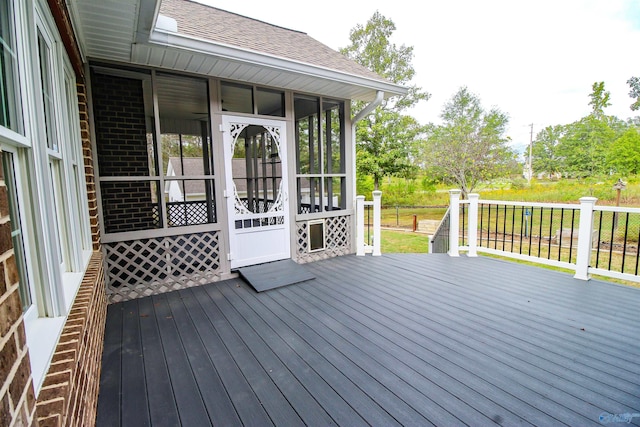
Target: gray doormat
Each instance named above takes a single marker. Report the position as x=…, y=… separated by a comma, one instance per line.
x=275, y=274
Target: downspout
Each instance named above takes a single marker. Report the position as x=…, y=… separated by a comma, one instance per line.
x=361, y=115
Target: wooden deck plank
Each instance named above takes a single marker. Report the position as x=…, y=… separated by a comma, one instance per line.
x=134, y=390
x=483, y=346
x=399, y=339
x=214, y=395
x=109, y=408
x=296, y=394
x=246, y=403
x=331, y=402
x=191, y=408
x=457, y=351
x=270, y=397
x=379, y=394
x=289, y=333
x=567, y=338
x=162, y=404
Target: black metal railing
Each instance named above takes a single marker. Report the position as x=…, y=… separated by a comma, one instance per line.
x=616, y=237
x=539, y=231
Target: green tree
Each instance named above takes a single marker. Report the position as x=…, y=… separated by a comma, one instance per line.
x=634, y=84
x=600, y=99
x=545, y=146
x=385, y=138
x=624, y=156
x=470, y=145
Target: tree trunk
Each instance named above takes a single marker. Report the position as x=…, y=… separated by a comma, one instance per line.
x=376, y=183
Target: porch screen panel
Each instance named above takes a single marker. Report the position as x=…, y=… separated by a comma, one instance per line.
x=320, y=154
x=126, y=153
x=187, y=153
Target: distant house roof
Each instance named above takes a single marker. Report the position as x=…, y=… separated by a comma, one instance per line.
x=219, y=26
x=194, y=166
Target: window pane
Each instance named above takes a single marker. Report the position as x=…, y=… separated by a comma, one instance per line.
x=307, y=140
x=190, y=202
x=44, y=55
x=334, y=193
x=125, y=136
x=270, y=102
x=10, y=116
x=130, y=206
x=236, y=98
x=333, y=124
x=16, y=229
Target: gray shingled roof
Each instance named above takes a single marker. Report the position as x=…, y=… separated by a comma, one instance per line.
x=226, y=28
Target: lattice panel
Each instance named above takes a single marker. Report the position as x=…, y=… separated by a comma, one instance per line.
x=146, y=267
x=337, y=239
x=189, y=213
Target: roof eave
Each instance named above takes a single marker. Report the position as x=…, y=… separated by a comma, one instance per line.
x=233, y=53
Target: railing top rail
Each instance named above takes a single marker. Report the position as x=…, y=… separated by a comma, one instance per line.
x=531, y=204
x=616, y=209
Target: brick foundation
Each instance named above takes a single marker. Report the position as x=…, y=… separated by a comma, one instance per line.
x=69, y=393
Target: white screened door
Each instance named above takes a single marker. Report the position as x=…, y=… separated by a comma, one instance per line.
x=256, y=190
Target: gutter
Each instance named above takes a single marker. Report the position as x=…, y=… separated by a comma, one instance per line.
x=361, y=115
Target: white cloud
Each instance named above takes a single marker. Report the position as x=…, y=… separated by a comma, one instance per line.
x=535, y=61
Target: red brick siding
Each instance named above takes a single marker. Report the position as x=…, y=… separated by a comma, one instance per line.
x=69, y=393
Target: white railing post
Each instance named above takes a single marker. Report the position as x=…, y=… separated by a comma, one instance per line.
x=585, y=237
x=377, y=196
x=360, y=225
x=473, y=224
x=454, y=222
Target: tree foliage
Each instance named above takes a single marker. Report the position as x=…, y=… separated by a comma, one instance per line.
x=470, y=145
x=624, y=156
x=545, y=150
x=634, y=84
x=385, y=138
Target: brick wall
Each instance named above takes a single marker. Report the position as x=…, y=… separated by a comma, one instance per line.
x=121, y=136
x=69, y=393
x=85, y=135
x=17, y=400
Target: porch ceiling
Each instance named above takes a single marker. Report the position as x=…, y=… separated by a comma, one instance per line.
x=125, y=31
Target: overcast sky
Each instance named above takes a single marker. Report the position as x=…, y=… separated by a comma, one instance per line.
x=535, y=61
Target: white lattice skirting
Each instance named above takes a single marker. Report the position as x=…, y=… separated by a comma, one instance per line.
x=337, y=240
x=144, y=267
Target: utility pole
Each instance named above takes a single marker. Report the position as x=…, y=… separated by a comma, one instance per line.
x=530, y=174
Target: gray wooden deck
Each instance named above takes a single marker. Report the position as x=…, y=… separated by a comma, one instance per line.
x=393, y=340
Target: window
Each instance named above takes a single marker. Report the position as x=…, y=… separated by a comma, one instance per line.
x=10, y=107
x=154, y=174
x=240, y=98
x=320, y=145
x=17, y=235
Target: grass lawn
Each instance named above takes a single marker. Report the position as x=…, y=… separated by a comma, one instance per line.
x=404, y=242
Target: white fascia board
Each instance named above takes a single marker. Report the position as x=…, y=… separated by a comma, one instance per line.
x=233, y=53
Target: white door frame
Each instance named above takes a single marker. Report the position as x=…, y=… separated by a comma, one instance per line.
x=256, y=238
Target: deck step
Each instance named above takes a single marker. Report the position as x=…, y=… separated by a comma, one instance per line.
x=263, y=277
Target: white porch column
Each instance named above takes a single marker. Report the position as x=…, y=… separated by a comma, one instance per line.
x=473, y=224
x=377, y=196
x=360, y=225
x=585, y=233
x=454, y=222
